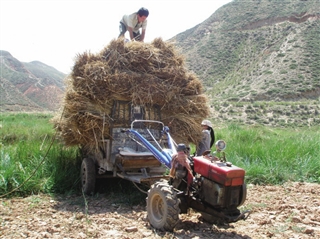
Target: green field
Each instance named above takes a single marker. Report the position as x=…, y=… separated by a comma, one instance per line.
x=33, y=160
x=30, y=152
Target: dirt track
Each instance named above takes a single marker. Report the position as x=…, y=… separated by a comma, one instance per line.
x=288, y=211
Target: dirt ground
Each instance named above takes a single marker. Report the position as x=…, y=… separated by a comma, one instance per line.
x=288, y=211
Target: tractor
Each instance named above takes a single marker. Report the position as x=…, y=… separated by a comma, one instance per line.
x=142, y=150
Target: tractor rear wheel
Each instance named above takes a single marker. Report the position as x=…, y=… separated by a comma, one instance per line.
x=88, y=176
x=163, y=206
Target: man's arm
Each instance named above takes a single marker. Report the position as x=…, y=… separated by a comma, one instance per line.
x=130, y=30
x=143, y=33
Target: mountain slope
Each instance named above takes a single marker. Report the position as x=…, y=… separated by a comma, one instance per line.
x=30, y=86
x=253, y=51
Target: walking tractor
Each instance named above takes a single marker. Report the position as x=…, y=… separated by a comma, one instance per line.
x=143, y=151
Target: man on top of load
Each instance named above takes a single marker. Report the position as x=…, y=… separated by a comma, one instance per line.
x=133, y=22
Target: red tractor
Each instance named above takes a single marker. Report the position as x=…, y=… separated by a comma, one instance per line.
x=213, y=187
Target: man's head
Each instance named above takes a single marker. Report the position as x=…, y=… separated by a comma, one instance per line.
x=183, y=148
x=143, y=13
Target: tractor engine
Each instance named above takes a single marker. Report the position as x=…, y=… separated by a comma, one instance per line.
x=220, y=184
x=218, y=195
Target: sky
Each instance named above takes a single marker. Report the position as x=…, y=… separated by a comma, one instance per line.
x=56, y=31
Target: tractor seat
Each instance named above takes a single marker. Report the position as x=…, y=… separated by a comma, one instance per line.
x=126, y=151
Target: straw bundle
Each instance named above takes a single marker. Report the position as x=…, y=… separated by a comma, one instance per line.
x=141, y=73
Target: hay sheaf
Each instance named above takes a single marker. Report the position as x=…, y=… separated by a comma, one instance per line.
x=140, y=73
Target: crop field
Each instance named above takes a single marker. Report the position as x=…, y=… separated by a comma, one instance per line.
x=41, y=196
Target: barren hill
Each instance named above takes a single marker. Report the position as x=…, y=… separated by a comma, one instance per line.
x=31, y=86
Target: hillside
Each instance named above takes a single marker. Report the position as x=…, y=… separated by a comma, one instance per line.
x=31, y=86
x=259, y=60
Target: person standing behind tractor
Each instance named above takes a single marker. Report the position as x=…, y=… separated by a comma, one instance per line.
x=132, y=23
x=208, y=138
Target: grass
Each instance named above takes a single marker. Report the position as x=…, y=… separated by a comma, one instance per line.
x=274, y=155
x=33, y=160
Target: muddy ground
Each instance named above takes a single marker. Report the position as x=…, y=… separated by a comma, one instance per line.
x=288, y=211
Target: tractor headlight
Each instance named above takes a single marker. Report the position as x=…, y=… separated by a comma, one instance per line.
x=221, y=145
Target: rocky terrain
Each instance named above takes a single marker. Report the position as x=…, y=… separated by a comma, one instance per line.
x=291, y=210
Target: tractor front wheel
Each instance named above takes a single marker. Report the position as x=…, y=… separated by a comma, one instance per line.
x=163, y=206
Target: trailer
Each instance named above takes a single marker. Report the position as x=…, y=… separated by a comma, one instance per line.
x=139, y=149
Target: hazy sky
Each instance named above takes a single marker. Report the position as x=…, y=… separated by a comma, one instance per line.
x=55, y=31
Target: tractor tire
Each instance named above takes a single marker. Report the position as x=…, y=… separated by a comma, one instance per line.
x=163, y=206
x=88, y=176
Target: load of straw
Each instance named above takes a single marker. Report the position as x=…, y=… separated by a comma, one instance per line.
x=142, y=73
